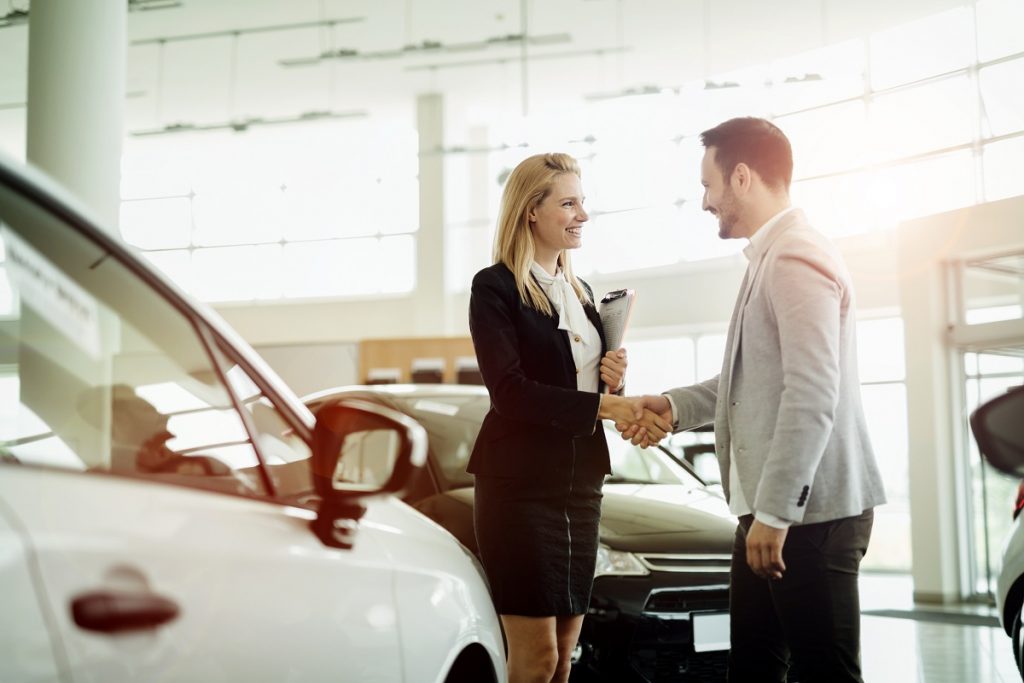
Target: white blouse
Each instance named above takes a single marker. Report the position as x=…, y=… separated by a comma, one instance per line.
x=584, y=339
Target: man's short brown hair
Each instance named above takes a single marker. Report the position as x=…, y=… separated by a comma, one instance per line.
x=755, y=142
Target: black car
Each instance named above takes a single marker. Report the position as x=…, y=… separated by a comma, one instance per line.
x=659, y=609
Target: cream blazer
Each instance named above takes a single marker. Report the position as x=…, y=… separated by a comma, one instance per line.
x=788, y=396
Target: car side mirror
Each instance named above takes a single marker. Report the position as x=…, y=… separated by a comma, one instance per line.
x=998, y=427
x=360, y=450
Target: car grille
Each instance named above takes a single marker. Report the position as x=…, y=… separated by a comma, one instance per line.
x=686, y=563
x=686, y=600
x=675, y=664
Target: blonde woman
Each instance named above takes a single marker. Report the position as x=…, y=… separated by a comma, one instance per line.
x=541, y=456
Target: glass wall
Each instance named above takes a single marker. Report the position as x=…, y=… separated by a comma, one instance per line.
x=992, y=494
x=884, y=393
x=297, y=211
x=914, y=120
x=908, y=121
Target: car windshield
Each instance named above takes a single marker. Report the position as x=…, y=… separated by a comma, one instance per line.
x=102, y=373
x=453, y=421
x=634, y=465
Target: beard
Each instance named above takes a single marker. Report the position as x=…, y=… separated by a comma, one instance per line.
x=728, y=215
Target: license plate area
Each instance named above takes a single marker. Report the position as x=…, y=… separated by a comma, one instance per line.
x=710, y=631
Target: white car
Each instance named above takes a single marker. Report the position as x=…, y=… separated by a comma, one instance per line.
x=999, y=431
x=169, y=510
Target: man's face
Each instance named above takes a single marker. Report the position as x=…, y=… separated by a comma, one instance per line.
x=719, y=198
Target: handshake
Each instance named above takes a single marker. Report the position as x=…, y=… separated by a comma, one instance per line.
x=644, y=420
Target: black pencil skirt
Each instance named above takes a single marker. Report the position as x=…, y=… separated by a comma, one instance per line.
x=538, y=540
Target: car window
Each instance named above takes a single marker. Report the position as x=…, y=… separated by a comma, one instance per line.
x=452, y=424
x=643, y=465
x=98, y=372
x=286, y=456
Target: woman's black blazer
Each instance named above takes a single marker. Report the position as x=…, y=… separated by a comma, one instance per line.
x=538, y=419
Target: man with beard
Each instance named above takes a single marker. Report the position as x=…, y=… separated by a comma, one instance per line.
x=790, y=433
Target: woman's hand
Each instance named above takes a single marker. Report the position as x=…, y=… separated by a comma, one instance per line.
x=613, y=369
x=632, y=412
x=636, y=432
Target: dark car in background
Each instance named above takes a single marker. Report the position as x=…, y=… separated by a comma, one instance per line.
x=659, y=609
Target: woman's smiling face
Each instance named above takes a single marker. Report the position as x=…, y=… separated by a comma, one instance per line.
x=557, y=222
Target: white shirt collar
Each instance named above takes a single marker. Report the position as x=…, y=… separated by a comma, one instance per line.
x=757, y=240
x=543, y=276
x=571, y=316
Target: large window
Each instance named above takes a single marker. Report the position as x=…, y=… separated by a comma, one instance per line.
x=884, y=393
x=992, y=494
x=303, y=211
x=987, y=343
x=99, y=373
x=913, y=120
x=908, y=121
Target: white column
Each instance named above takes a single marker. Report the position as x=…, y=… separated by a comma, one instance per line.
x=937, y=518
x=76, y=82
x=431, y=300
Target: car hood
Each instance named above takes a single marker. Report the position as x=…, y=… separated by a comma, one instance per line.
x=665, y=518
x=658, y=518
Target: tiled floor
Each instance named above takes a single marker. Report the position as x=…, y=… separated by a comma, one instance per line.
x=904, y=650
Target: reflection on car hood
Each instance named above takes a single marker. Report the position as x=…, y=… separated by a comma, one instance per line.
x=658, y=518
x=665, y=518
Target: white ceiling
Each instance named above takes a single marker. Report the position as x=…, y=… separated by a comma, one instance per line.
x=613, y=45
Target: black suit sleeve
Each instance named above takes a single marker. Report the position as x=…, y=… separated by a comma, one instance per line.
x=497, y=339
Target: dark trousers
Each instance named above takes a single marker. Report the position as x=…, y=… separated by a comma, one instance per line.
x=811, y=616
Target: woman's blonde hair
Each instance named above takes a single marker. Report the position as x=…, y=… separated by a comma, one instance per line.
x=527, y=186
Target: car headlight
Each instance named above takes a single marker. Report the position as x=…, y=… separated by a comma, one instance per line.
x=618, y=563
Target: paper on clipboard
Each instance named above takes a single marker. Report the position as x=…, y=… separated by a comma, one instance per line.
x=615, y=309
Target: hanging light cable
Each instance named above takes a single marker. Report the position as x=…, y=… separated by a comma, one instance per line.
x=524, y=62
x=232, y=76
x=158, y=99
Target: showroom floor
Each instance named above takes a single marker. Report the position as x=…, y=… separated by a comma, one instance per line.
x=903, y=643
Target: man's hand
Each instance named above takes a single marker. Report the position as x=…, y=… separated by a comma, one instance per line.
x=629, y=413
x=764, y=550
x=613, y=369
x=658, y=405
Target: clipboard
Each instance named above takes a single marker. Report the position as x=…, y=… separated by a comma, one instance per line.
x=615, y=309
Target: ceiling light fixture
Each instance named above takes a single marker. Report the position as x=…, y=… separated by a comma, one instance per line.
x=636, y=91
x=805, y=78
x=462, y=149
x=274, y=28
x=145, y=5
x=428, y=47
x=719, y=85
x=244, y=124
x=516, y=58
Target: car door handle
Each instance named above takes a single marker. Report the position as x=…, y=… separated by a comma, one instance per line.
x=116, y=612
